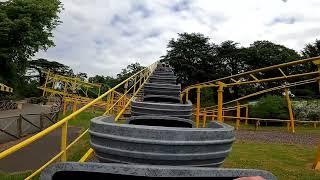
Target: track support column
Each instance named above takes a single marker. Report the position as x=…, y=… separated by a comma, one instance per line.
x=316, y=164
x=286, y=91
x=198, y=107
x=64, y=132
x=220, y=102
x=238, y=116
x=204, y=119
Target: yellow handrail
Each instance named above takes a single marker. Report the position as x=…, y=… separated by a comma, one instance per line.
x=145, y=73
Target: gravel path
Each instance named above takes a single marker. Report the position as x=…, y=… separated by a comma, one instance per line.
x=310, y=139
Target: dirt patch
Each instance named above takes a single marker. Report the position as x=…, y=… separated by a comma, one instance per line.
x=278, y=137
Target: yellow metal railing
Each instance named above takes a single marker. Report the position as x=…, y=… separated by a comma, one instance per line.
x=5, y=88
x=112, y=97
x=251, y=77
x=246, y=78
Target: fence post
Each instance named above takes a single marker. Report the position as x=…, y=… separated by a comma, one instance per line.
x=64, y=133
x=204, y=119
x=220, y=101
x=289, y=109
x=238, y=116
x=198, y=107
x=19, y=126
x=247, y=115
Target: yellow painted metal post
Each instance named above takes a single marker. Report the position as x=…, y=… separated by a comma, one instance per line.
x=45, y=84
x=125, y=87
x=187, y=95
x=112, y=101
x=316, y=164
x=247, y=115
x=238, y=116
x=290, y=110
x=134, y=84
x=204, y=119
x=63, y=149
x=108, y=103
x=220, y=101
x=64, y=107
x=74, y=108
x=198, y=107
x=213, y=114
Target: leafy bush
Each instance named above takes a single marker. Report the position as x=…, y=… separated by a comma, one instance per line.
x=306, y=110
x=271, y=107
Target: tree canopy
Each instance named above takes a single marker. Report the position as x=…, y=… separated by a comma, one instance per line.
x=311, y=49
x=196, y=59
x=25, y=28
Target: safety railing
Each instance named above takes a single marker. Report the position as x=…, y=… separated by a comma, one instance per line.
x=275, y=73
x=5, y=88
x=251, y=77
x=131, y=85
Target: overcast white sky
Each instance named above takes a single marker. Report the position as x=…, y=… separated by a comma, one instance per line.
x=103, y=36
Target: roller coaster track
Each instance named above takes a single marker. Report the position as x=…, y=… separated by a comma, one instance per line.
x=126, y=91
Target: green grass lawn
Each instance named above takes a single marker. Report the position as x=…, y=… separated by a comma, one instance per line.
x=284, y=161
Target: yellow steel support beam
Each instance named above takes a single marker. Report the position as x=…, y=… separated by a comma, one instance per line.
x=238, y=116
x=204, y=119
x=220, y=101
x=286, y=90
x=316, y=164
x=64, y=107
x=198, y=107
x=282, y=72
x=187, y=96
x=86, y=156
x=213, y=115
x=64, y=134
x=255, y=78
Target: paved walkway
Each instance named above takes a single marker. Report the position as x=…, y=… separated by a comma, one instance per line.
x=36, y=154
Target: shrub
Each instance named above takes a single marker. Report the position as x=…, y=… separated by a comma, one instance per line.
x=306, y=110
x=271, y=107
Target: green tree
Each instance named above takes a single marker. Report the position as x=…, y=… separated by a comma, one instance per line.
x=265, y=53
x=270, y=107
x=193, y=58
x=311, y=49
x=25, y=28
x=130, y=70
x=83, y=76
x=42, y=65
